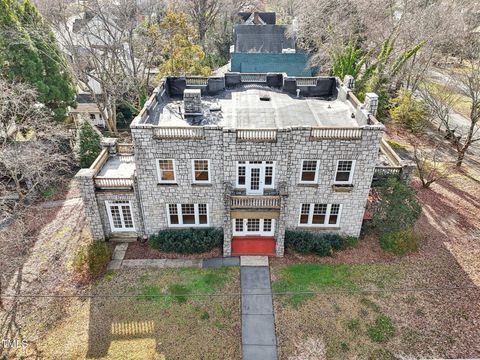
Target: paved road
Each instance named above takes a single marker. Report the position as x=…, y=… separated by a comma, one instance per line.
x=259, y=341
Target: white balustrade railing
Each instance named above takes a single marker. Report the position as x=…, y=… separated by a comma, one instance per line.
x=184, y=133
x=257, y=135
x=335, y=133
x=306, y=81
x=253, y=78
x=113, y=183
x=196, y=80
x=255, y=202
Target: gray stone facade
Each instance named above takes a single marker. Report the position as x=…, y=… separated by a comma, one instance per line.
x=222, y=149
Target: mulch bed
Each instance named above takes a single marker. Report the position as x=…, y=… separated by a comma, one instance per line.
x=137, y=250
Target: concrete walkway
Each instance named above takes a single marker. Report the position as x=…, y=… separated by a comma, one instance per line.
x=259, y=341
x=118, y=261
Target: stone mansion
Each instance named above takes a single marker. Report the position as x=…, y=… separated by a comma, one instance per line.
x=254, y=154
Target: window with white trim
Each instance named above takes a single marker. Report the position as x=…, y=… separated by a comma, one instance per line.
x=201, y=171
x=187, y=215
x=309, y=173
x=318, y=215
x=166, y=171
x=344, y=173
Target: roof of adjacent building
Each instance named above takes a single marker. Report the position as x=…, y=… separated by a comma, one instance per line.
x=262, y=39
x=258, y=17
x=243, y=107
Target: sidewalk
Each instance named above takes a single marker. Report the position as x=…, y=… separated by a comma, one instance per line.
x=259, y=341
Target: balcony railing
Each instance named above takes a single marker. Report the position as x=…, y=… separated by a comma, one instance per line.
x=113, y=183
x=252, y=202
x=253, y=78
x=196, y=81
x=257, y=135
x=335, y=133
x=383, y=172
x=183, y=133
x=125, y=148
x=306, y=81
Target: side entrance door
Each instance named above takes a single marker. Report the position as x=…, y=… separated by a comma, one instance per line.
x=120, y=216
x=255, y=179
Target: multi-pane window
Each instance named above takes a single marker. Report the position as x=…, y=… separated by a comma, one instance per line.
x=173, y=214
x=241, y=173
x=120, y=215
x=247, y=227
x=186, y=215
x=201, y=171
x=202, y=214
x=267, y=225
x=344, y=173
x=320, y=214
x=253, y=225
x=238, y=225
x=166, y=171
x=268, y=173
x=309, y=171
x=255, y=174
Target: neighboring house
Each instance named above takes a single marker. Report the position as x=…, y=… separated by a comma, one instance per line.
x=254, y=154
x=87, y=108
x=261, y=46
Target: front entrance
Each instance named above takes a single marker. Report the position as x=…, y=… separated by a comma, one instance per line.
x=253, y=227
x=120, y=216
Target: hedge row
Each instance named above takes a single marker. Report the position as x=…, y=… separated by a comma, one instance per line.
x=320, y=244
x=187, y=241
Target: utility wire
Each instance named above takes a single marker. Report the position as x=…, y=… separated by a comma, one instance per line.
x=236, y=294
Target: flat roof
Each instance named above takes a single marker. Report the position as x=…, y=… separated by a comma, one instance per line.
x=118, y=166
x=242, y=107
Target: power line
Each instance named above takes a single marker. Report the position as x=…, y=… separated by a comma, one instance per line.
x=237, y=294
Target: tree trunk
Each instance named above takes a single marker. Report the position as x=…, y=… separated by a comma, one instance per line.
x=461, y=155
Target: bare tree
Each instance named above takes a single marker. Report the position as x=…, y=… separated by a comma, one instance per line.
x=110, y=53
x=34, y=150
x=430, y=168
x=203, y=13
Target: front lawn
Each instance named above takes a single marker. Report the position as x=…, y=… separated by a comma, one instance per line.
x=340, y=320
x=140, y=319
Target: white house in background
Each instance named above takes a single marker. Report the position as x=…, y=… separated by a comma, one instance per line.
x=254, y=154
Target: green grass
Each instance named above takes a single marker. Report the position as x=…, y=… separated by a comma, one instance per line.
x=396, y=145
x=317, y=277
x=382, y=329
x=190, y=281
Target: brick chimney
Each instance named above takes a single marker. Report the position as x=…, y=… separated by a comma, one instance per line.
x=371, y=103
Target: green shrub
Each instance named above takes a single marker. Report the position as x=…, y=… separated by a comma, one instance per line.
x=382, y=329
x=320, y=244
x=394, y=215
x=409, y=111
x=399, y=242
x=187, y=241
x=89, y=147
x=91, y=260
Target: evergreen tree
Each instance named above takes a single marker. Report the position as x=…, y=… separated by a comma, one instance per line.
x=29, y=53
x=59, y=91
x=89, y=145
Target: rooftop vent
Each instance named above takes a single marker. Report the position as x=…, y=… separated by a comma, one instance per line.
x=192, y=102
x=265, y=97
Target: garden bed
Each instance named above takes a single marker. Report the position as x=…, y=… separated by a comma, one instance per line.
x=138, y=250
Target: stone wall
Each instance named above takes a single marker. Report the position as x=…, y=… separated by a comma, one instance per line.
x=154, y=196
x=119, y=195
x=223, y=150
x=85, y=183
